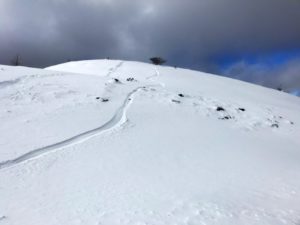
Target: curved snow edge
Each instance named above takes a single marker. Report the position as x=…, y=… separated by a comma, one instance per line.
x=117, y=120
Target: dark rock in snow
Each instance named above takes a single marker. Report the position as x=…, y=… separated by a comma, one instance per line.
x=102, y=99
x=242, y=109
x=219, y=108
x=117, y=80
x=226, y=118
x=275, y=125
x=181, y=95
x=130, y=79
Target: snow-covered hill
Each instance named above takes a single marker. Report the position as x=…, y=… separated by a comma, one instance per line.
x=127, y=143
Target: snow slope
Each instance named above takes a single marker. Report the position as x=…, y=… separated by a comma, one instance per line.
x=112, y=142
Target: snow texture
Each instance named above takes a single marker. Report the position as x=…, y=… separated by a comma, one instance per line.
x=110, y=142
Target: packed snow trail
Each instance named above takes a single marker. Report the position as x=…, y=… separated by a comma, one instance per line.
x=156, y=74
x=118, y=119
x=113, y=70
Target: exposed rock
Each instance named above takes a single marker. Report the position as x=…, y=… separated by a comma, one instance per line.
x=104, y=99
x=226, y=118
x=219, y=108
x=130, y=79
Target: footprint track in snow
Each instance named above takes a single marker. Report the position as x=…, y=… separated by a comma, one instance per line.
x=114, y=69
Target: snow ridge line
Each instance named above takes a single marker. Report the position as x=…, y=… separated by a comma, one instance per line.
x=118, y=119
x=113, y=70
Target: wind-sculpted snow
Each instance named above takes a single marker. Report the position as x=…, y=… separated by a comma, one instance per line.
x=118, y=119
x=9, y=82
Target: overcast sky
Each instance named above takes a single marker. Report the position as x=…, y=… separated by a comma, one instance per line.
x=218, y=36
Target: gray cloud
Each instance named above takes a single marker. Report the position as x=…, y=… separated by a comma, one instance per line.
x=187, y=33
x=286, y=76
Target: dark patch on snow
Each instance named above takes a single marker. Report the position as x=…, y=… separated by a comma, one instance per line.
x=226, y=118
x=117, y=80
x=2, y=218
x=275, y=125
x=176, y=101
x=219, y=109
x=130, y=79
x=181, y=95
x=242, y=109
x=104, y=99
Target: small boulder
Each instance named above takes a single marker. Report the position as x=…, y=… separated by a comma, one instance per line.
x=219, y=108
x=181, y=95
x=104, y=99
x=226, y=118
x=130, y=79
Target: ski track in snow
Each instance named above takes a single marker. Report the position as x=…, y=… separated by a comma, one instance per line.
x=118, y=119
x=155, y=75
x=113, y=70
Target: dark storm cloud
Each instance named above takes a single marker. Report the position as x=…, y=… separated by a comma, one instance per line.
x=46, y=32
x=187, y=33
x=285, y=76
